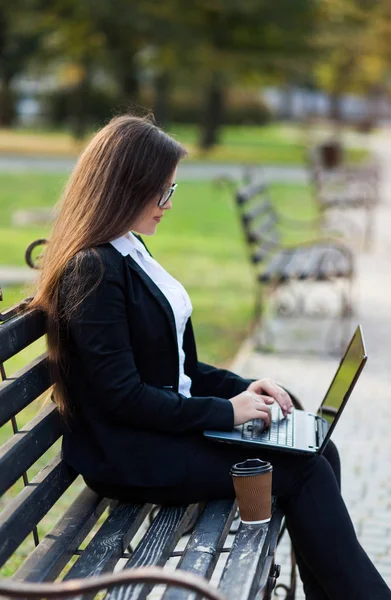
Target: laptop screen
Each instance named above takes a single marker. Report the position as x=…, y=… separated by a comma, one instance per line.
x=343, y=383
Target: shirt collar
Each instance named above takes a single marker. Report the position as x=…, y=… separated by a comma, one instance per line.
x=128, y=245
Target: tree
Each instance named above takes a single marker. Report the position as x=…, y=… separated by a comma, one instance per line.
x=125, y=28
x=19, y=40
x=223, y=42
x=248, y=39
x=72, y=40
x=347, y=40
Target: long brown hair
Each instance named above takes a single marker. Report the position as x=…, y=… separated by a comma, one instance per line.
x=125, y=166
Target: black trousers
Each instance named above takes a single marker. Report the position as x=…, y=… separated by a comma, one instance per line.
x=332, y=563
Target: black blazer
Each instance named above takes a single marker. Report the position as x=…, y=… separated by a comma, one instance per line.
x=129, y=425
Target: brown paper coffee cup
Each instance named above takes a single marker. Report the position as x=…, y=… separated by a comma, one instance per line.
x=252, y=481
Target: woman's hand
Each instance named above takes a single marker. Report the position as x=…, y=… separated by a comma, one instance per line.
x=267, y=387
x=250, y=405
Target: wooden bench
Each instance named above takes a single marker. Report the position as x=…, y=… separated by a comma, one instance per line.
x=323, y=260
x=45, y=504
x=345, y=187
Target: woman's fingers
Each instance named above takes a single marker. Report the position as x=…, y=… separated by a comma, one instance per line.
x=265, y=416
x=264, y=412
x=267, y=399
x=282, y=397
x=278, y=393
x=261, y=404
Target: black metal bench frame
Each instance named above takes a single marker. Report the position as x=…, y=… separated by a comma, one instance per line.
x=281, y=270
x=249, y=571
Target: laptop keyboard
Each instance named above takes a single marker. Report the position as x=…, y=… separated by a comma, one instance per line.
x=280, y=431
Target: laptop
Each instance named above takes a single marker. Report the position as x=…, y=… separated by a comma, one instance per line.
x=304, y=432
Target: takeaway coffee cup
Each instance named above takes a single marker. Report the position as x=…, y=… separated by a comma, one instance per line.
x=252, y=481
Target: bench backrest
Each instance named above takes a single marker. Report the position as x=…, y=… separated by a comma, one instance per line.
x=259, y=221
x=45, y=501
x=33, y=476
x=23, y=447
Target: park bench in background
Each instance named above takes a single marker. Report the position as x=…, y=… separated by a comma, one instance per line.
x=340, y=187
x=100, y=533
x=280, y=270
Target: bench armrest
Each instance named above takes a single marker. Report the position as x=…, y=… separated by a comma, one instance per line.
x=72, y=587
x=334, y=242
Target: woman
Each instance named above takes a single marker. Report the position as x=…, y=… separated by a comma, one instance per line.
x=133, y=395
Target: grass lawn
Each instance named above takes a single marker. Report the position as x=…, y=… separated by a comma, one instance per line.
x=199, y=242
x=274, y=143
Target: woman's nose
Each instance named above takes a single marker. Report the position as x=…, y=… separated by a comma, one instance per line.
x=168, y=205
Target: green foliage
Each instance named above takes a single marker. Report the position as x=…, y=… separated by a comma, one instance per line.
x=19, y=37
x=351, y=47
x=125, y=43
x=208, y=48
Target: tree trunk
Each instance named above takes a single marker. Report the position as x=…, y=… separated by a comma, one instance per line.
x=7, y=108
x=342, y=80
x=161, y=108
x=287, y=109
x=335, y=112
x=213, y=114
x=375, y=101
x=129, y=83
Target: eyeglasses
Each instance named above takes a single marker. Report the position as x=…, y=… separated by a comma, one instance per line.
x=166, y=195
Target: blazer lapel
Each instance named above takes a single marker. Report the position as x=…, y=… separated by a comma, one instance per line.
x=155, y=291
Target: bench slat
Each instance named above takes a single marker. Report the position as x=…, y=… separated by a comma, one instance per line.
x=110, y=541
x=46, y=562
x=346, y=201
x=257, y=211
x=23, y=387
x=263, y=230
x=243, y=569
x=26, y=446
x=273, y=538
x=343, y=266
x=21, y=515
x=244, y=194
x=273, y=270
x=203, y=548
x=308, y=263
x=303, y=264
x=315, y=262
x=266, y=247
x=19, y=332
x=155, y=548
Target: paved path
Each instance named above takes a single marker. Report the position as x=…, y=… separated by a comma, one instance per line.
x=188, y=170
x=365, y=453
x=16, y=275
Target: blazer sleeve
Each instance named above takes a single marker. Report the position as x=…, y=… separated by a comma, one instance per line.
x=99, y=333
x=221, y=382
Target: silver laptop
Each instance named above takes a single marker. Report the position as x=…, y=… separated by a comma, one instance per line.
x=301, y=431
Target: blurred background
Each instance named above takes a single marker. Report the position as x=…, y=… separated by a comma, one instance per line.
x=252, y=88
x=241, y=83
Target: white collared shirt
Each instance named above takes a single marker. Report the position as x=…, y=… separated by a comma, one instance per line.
x=170, y=287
